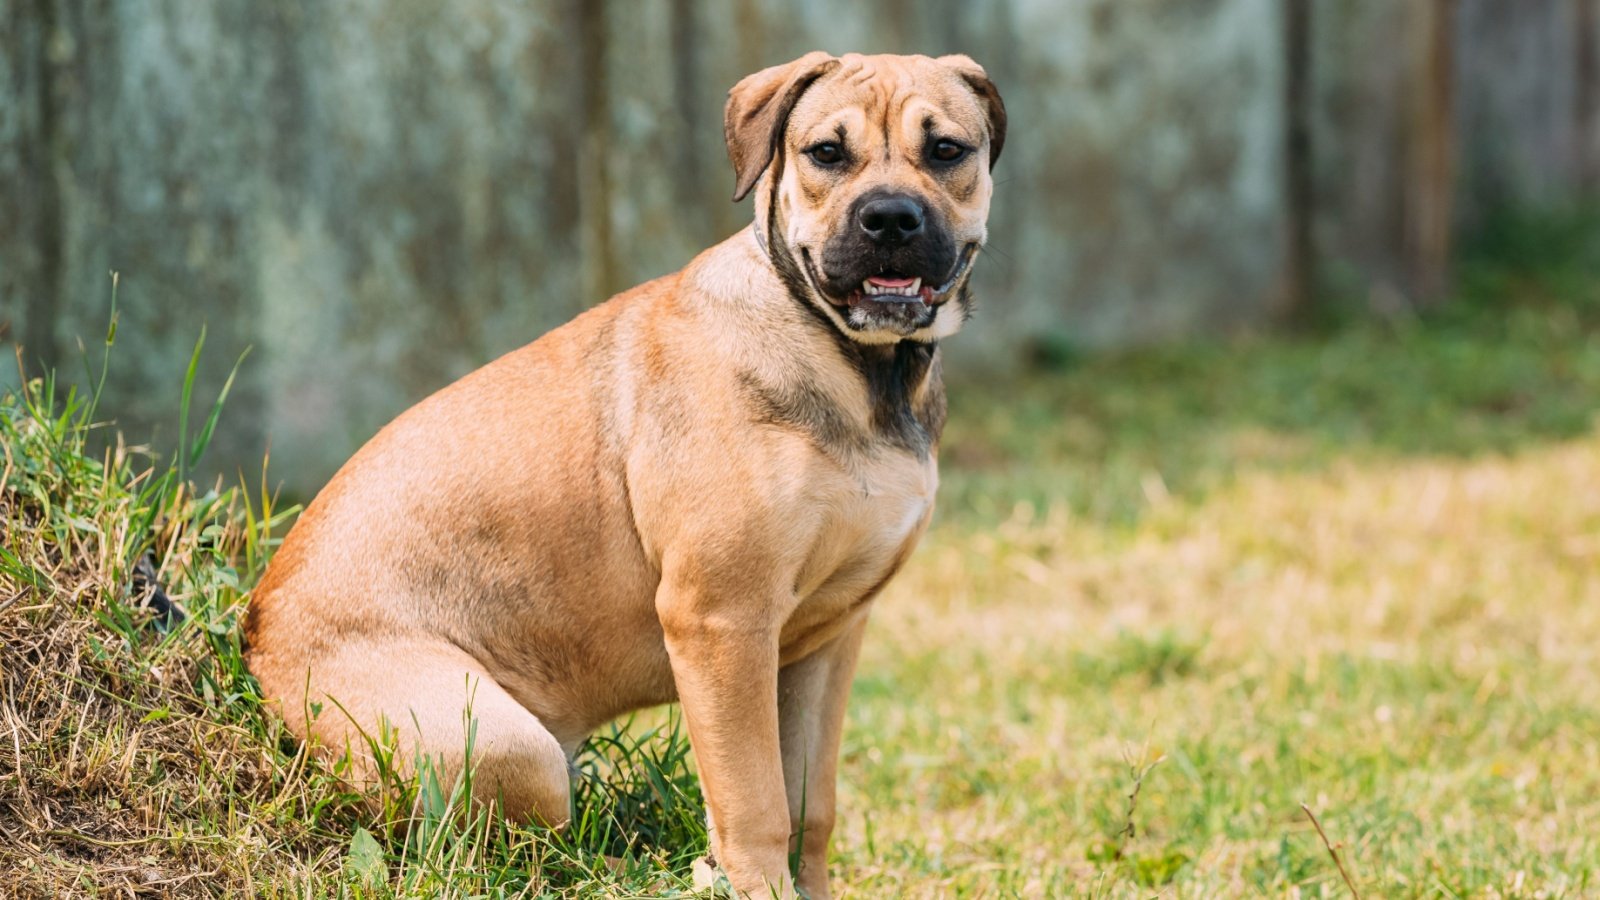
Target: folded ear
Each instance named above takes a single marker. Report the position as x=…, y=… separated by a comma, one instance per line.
x=758, y=108
x=977, y=79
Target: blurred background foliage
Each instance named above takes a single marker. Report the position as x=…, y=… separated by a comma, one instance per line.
x=378, y=196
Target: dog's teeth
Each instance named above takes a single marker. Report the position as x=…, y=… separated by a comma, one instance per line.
x=872, y=288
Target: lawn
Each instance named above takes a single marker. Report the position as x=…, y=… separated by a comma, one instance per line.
x=1171, y=595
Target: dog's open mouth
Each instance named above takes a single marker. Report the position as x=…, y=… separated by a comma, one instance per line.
x=891, y=288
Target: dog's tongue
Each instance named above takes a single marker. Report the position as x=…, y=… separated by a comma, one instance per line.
x=881, y=281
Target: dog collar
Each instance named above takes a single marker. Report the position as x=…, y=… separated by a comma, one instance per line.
x=761, y=241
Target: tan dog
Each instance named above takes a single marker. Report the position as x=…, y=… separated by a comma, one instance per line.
x=691, y=492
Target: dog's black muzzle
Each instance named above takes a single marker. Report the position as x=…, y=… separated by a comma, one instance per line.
x=887, y=237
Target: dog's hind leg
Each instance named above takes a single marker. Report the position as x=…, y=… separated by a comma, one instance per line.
x=425, y=699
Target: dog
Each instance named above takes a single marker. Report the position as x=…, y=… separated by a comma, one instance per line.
x=692, y=492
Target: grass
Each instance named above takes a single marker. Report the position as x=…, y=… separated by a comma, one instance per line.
x=1171, y=596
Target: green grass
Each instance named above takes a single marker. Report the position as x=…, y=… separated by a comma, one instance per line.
x=1358, y=569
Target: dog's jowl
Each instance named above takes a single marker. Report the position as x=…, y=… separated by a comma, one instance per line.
x=692, y=492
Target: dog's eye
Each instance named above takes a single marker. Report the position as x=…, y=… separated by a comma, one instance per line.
x=826, y=153
x=947, y=151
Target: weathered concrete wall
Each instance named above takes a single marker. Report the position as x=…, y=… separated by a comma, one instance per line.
x=379, y=195
x=1520, y=136
x=1519, y=94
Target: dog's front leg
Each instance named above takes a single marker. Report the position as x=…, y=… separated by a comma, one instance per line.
x=812, y=694
x=724, y=653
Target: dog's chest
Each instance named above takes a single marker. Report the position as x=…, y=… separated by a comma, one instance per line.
x=872, y=519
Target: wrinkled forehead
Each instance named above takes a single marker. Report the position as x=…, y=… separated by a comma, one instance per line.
x=902, y=96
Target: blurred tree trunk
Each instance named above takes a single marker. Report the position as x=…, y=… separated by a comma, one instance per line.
x=1586, y=94
x=602, y=277
x=1299, y=277
x=1430, y=163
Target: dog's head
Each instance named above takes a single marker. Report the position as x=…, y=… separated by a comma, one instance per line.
x=872, y=184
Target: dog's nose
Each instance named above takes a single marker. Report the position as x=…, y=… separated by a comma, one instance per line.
x=891, y=220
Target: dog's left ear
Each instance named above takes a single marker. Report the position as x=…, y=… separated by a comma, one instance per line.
x=977, y=79
x=758, y=108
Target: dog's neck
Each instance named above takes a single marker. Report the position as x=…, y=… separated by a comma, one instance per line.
x=804, y=372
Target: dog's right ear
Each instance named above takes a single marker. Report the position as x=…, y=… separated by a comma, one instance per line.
x=758, y=108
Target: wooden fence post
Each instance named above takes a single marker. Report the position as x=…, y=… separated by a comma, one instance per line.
x=1299, y=276
x=1430, y=164
x=1586, y=95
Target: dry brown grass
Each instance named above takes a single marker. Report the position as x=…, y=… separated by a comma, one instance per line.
x=125, y=766
x=1408, y=645
x=136, y=757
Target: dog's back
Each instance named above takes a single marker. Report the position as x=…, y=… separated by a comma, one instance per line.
x=486, y=518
